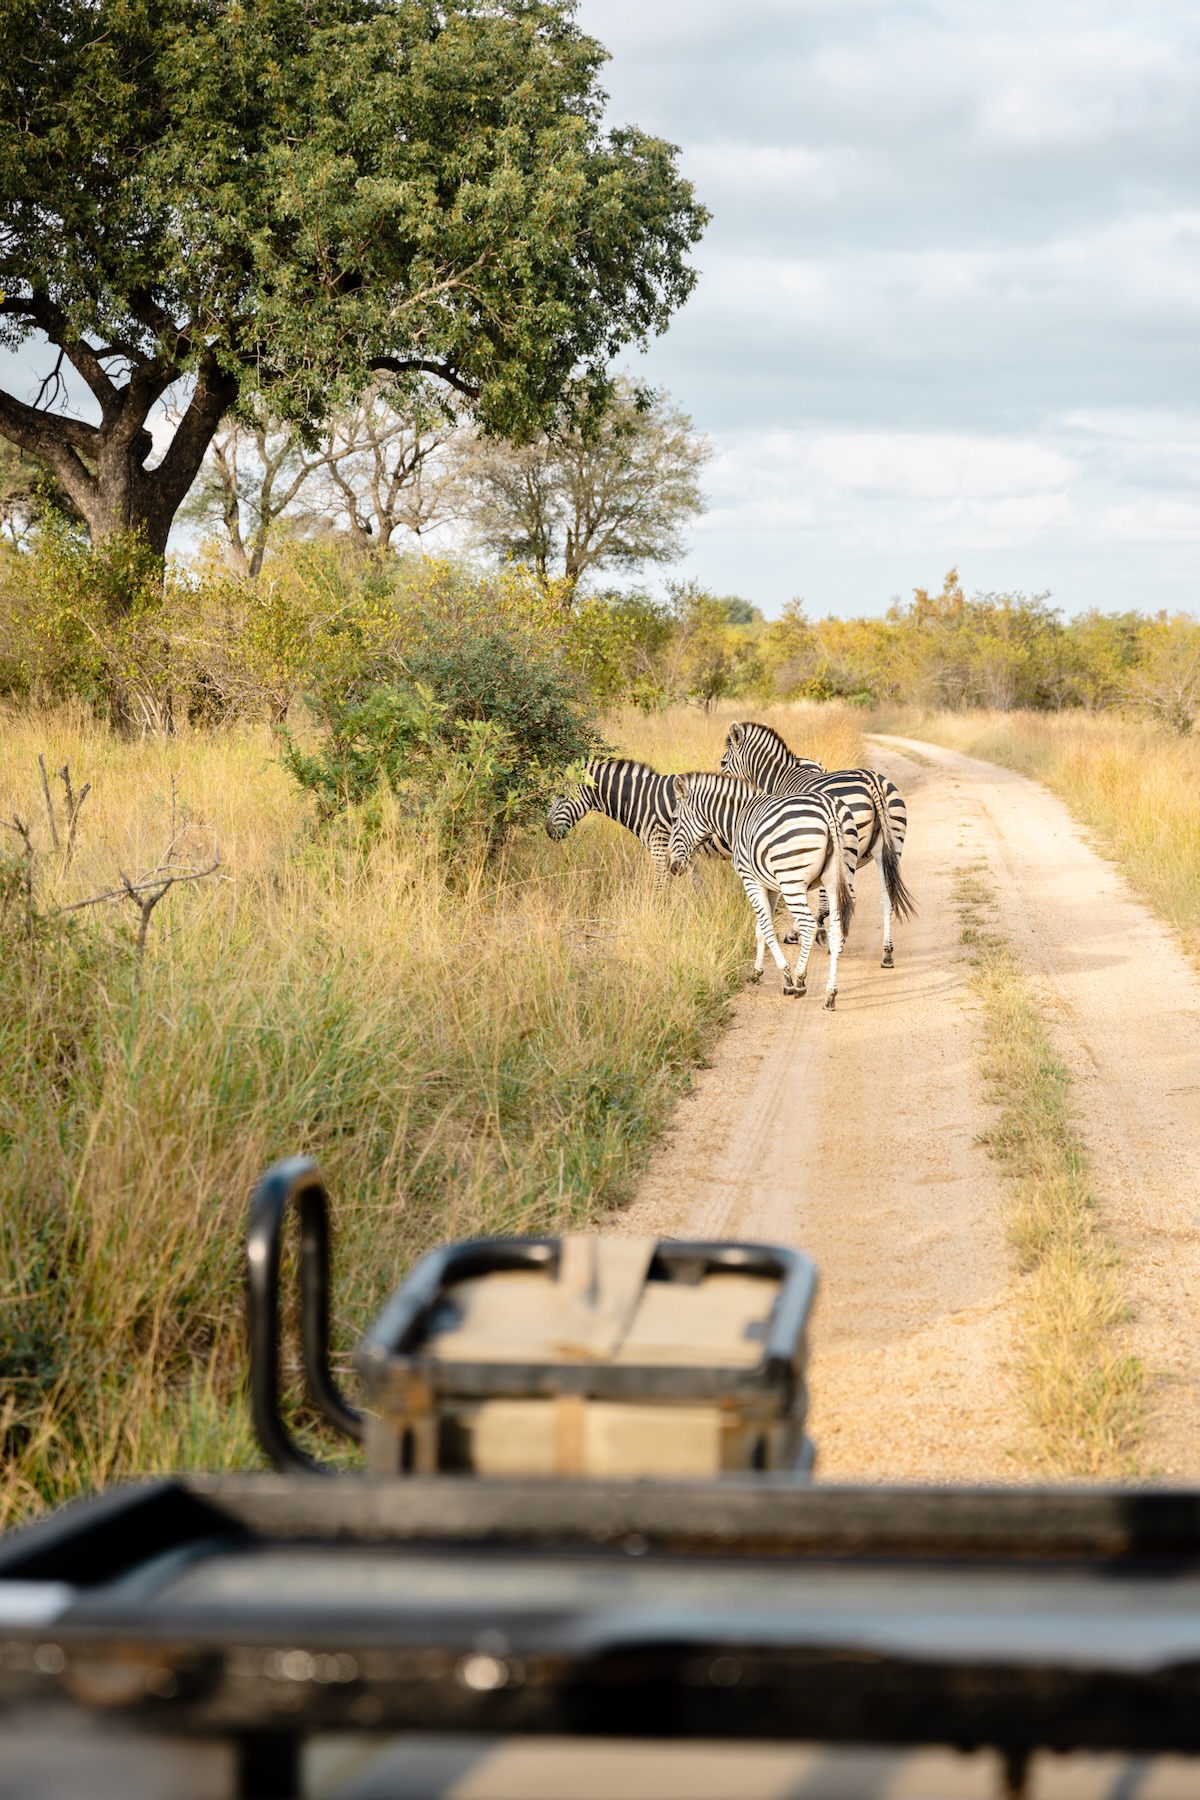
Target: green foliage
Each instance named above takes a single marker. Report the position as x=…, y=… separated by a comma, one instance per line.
x=613, y=490
x=29, y=494
x=713, y=654
x=473, y=741
x=295, y=197
x=997, y=651
x=616, y=643
x=1165, y=681
x=82, y=621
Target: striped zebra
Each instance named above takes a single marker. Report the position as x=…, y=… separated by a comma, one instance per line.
x=759, y=754
x=633, y=794
x=780, y=847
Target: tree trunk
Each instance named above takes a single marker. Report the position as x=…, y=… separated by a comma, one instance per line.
x=103, y=467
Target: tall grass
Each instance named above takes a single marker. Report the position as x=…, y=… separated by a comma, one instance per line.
x=1082, y=1390
x=688, y=738
x=1137, y=786
x=488, y=1055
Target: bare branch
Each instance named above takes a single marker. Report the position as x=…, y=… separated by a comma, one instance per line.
x=415, y=365
x=51, y=388
x=74, y=806
x=145, y=884
x=18, y=824
x=45, y=434
x=49, y=801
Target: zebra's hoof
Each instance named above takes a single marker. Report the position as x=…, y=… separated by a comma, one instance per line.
x=755, y=975
x=831, y=1000
x=887, y=962
x=822, y=936
x=793, y=937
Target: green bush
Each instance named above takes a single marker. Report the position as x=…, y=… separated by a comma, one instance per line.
x=473, y=740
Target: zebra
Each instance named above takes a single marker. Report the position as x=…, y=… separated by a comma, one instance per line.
x=633, y=794
x=780, y=846
x=758, y=754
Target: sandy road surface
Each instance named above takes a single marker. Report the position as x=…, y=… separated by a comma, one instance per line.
x=854, y=1135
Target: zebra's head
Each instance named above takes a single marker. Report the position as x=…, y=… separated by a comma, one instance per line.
x=757, y=753
x=735, y=756
x=688, y=829
x=567, y=810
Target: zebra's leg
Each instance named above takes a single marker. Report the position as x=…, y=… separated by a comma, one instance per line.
x=836, y=941
x=763, y=906
x=797, y=905
x=885, y=901
x=657, y=846
x=793, y=936
x=822, y=915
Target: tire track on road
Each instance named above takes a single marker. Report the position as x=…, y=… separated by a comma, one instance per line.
x=855, y=1135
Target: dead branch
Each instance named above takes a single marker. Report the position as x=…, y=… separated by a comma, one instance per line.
x=146, y=897
x=19, y=825
x=49, y=801
x=74, y=806
x=150, y=883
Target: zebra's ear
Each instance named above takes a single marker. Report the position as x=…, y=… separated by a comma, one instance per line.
x=735, y=735
x=681, y=788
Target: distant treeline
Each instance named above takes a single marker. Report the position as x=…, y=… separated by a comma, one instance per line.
x=998, y=651
x=325, y=618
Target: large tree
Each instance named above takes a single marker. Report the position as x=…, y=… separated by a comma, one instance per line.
x=612, y=491
x=291, y=196
x=378, y=468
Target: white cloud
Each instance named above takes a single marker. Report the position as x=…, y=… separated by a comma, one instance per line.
x=900, y=488
x=930, y=466
x=1152, y=521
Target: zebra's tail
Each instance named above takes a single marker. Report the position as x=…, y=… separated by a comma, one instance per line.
x=841, y=890
x=903, y=904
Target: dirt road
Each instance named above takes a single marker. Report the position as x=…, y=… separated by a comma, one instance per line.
x=855, y=1135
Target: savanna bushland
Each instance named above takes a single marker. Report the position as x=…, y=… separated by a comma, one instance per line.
x=274, y=877
x=381, y=959
x=367, y=948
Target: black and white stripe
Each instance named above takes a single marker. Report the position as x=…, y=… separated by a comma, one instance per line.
x=780, y=847
x=633, y=794
x=757, y=753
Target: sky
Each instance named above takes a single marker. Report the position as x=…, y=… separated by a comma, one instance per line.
x=949, y=304
x=948, y=312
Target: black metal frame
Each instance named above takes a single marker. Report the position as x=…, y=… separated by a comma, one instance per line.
x=391, y=1352
x=393, y=1343
x=293, y=1183
x=165, y=1664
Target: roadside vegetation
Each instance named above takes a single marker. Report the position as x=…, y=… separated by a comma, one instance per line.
x=1081, y=1389
x=470, y=1035
x=1135, y=785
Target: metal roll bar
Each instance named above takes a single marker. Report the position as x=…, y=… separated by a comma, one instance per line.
x=295, y=1181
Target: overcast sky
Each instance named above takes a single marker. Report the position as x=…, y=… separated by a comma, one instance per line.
x=949, y=310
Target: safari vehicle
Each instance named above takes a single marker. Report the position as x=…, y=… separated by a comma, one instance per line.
x=587, y=1511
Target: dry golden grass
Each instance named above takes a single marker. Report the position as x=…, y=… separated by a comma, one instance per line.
x=491, y=1060
x=687, y=738
x=1137, y=786
x=1082, y=1390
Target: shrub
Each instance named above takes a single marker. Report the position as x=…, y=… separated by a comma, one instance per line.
x=472, y=740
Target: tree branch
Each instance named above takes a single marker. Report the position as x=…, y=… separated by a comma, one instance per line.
x=215, y=394
x=42, y=433
x=415, y=365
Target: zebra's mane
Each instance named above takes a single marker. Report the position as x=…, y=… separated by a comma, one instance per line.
x=596, y=763
x=708, y=779
x=770, y=732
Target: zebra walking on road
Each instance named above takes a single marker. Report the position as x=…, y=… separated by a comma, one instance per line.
x=633, y=794
x=758, y=754
x=780, y=846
